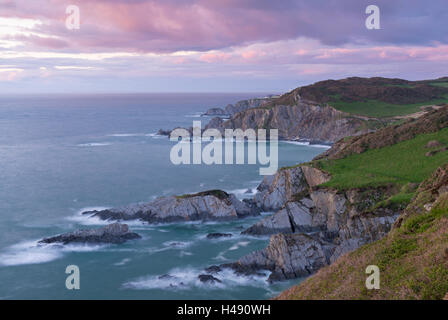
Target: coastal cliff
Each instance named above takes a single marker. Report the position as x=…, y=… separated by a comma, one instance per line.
x=412, y=258
x=313, y=226
x=329, y=207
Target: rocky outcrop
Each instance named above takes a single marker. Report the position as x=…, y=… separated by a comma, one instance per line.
x=300, y=121
x=113, y=233
x=208, y=205
x=216, y=112
x=294, y=217
x=242, y=105
x=287, y=256
x=217, y=235
x=274, y=191
x=315, y=225
x=207, y=278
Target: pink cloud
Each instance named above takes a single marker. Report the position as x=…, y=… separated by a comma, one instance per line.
x=215, y=57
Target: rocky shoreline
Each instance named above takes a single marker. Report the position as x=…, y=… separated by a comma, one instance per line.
x=300, y=120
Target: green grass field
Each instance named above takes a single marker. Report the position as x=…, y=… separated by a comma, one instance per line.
x=440, y=84
x=400, y=164
x=379, y=109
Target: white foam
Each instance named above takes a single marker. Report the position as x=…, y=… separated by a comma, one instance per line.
x=123, y=135
x=88, y=220
x=28, y=253
x=94, y=144
x=241, y=193
x=31, y=252
x=177, y=244
x=194, y=115
x=239, y=245
x=187, y=278
x=306, y=143
x=122, y=262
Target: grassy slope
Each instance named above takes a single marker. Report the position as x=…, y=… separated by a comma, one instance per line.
x=402, y=163
x=380, y=109
x=413, y=258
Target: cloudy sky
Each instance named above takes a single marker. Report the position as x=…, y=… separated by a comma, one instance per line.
x=215, y=45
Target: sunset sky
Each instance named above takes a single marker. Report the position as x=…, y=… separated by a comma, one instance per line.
x=215, y=45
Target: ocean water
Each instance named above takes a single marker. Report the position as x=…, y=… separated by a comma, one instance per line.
x=62, y=154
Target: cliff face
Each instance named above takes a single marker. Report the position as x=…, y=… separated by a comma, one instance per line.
x=431, y=122
x=299, y=121
x=412, y=258
x=240, y=106
x=314, y=226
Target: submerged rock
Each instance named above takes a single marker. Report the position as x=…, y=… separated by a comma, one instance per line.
x=208, y=205
x=113, y=233
x=206, y=278
x=218, y=235
x=213, y=269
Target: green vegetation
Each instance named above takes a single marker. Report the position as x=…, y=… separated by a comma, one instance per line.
x=380, y=109
x=440, y=84
x=402, y=163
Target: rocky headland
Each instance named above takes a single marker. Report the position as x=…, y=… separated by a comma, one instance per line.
x=114, y=233
x=213, y=205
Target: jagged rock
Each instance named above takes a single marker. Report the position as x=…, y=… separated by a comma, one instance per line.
x=213, y=269
x=207, y=205
x=214, y=123
x=216, y=112
x=314, y=177
x=276, y=190
x=294, y=217
x=242, y=105
x=113, y=233
x=337, y=219
x=287, y=256
x=163, y=132
x=207, y=278
x=218, y=235
x=298, y=120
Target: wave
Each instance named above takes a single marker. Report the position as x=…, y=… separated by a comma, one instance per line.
x=239, y=245
x=94, y=144
x=306, y=143
x=88, y=220
x=194, y=115
x=244, y=193
x=31, y=252
x=119, y=135
x=122, y=262
x=187, y=278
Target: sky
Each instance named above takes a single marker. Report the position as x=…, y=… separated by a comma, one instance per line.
x=214, y=45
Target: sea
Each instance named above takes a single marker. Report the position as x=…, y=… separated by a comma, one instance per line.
x=61, y=155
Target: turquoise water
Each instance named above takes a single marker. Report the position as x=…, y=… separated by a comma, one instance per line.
x=62, y=154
